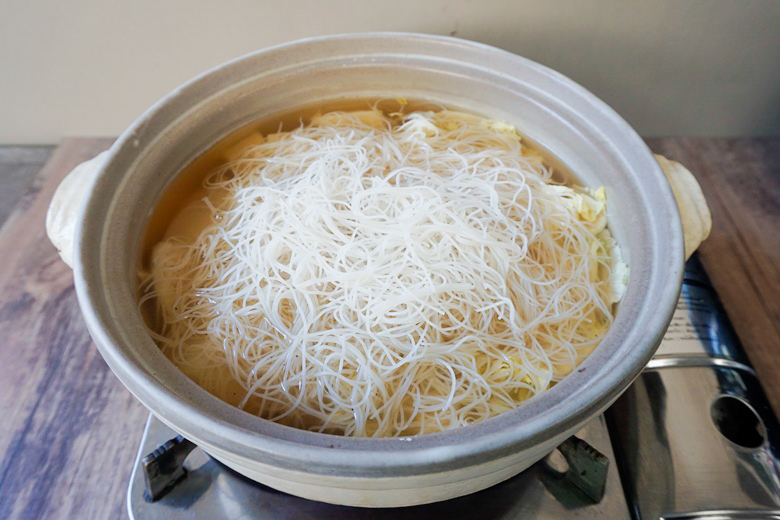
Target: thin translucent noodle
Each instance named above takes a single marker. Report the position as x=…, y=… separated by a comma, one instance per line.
x=382, y=275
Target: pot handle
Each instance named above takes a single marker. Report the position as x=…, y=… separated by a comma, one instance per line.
x=65, y=206
x=694, y=211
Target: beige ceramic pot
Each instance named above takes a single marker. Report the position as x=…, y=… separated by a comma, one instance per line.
x=100, y=227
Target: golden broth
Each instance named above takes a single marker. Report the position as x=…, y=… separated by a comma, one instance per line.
x=175, y=217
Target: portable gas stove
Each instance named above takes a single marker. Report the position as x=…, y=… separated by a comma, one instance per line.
x=693, y=437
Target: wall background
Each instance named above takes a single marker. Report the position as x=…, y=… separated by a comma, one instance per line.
x=670, y=67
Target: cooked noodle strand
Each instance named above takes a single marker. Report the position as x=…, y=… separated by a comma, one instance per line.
x=367, y=276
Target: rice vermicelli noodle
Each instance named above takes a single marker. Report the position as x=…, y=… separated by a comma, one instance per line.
x=374, y=274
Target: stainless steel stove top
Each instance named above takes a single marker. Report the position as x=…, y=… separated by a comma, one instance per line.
x=693, y=438
x=212, y=491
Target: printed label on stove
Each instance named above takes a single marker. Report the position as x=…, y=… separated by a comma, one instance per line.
x=699, y=326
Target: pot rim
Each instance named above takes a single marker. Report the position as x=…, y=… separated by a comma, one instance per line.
x=597, y=381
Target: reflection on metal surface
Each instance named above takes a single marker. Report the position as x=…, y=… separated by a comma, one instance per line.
x=213, y=491
x=697, y=361
x=694, y=436
x=727, y=515
x=738, y=422
x=674, y=458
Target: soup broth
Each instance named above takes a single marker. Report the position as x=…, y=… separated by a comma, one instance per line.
x=412, y=269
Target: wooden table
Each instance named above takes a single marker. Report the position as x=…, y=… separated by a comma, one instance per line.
x=69, y=430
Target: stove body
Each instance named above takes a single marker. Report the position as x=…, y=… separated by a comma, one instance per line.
x=694, y=435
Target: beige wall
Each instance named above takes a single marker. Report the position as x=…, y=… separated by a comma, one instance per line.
x=670, y=67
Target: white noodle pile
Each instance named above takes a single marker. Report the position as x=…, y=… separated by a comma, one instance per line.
x=375, y=275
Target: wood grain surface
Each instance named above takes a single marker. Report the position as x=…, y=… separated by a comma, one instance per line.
x=18, y=167
x=69, y=430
